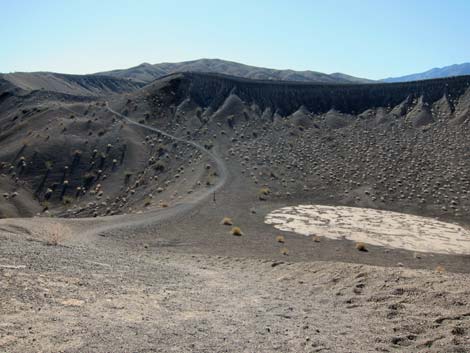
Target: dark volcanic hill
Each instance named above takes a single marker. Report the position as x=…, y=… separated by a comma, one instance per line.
x=83, y=85
x=147, y=72
x=397, y=146
x=437, y=72
x=211, y=91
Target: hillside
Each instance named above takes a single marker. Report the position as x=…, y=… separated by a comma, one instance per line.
x=84, y=85
x=315, y=125
x=438, y=72
x=147, y=72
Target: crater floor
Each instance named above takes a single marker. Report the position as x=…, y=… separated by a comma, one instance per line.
x=376, y=227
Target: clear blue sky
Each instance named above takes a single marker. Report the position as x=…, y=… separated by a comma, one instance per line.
x=369, y=38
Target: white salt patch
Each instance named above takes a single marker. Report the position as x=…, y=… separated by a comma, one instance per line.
x=375, y=227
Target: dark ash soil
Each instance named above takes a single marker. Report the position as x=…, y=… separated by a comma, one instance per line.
x=70, y=298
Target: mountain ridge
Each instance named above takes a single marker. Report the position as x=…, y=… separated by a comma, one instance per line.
x=84, y=85
x=145, y=72
x=436, y=72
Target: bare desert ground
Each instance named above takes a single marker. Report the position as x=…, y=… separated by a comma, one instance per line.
x=107, y=297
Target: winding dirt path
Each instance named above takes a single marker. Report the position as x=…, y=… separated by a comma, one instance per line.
x=154, y=216
x=219, y=161
x=88, y=227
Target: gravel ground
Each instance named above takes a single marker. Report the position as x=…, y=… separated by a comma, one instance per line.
x=78, y=298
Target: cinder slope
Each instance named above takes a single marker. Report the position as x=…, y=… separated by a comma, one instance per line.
x=389, y=146
x=84, y=85
x=386, y=146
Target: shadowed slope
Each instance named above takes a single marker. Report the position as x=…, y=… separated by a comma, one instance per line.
x=85, y=85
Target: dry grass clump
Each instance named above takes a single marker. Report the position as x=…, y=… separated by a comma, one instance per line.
x=280, y=239
x=440, y=269
x=285, y=251
x=67, y=200
x=55, y=233
x=227, y=221
x=237, y=231
x=361, y=246
x=316, y=239
x=263, y=193
x=45, y=205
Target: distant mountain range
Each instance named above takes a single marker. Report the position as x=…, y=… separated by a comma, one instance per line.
x=128, y=80
x=447, y=71
x=145, y=72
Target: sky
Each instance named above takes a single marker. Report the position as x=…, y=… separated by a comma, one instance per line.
x=366, y=38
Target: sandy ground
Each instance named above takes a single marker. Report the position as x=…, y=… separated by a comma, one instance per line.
x=382, y=228
x=77, y=298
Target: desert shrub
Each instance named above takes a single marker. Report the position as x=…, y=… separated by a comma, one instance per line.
x=161, y=149
x=316, y=239
x=285, y=251
x=88, y=179
x=263, y=193
x=127, y=176
x=45, y=205
x=361, y=246
x=147, y=201
x=230, y=122
x=103, y=157
x=76, y=157
x=159, y=166
x=48, y=193
x=227, y=221
x=237, y=231
x=48, y=165
x=56, y=233
x=66, y=200
x=440, y=269
x=280, y=239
